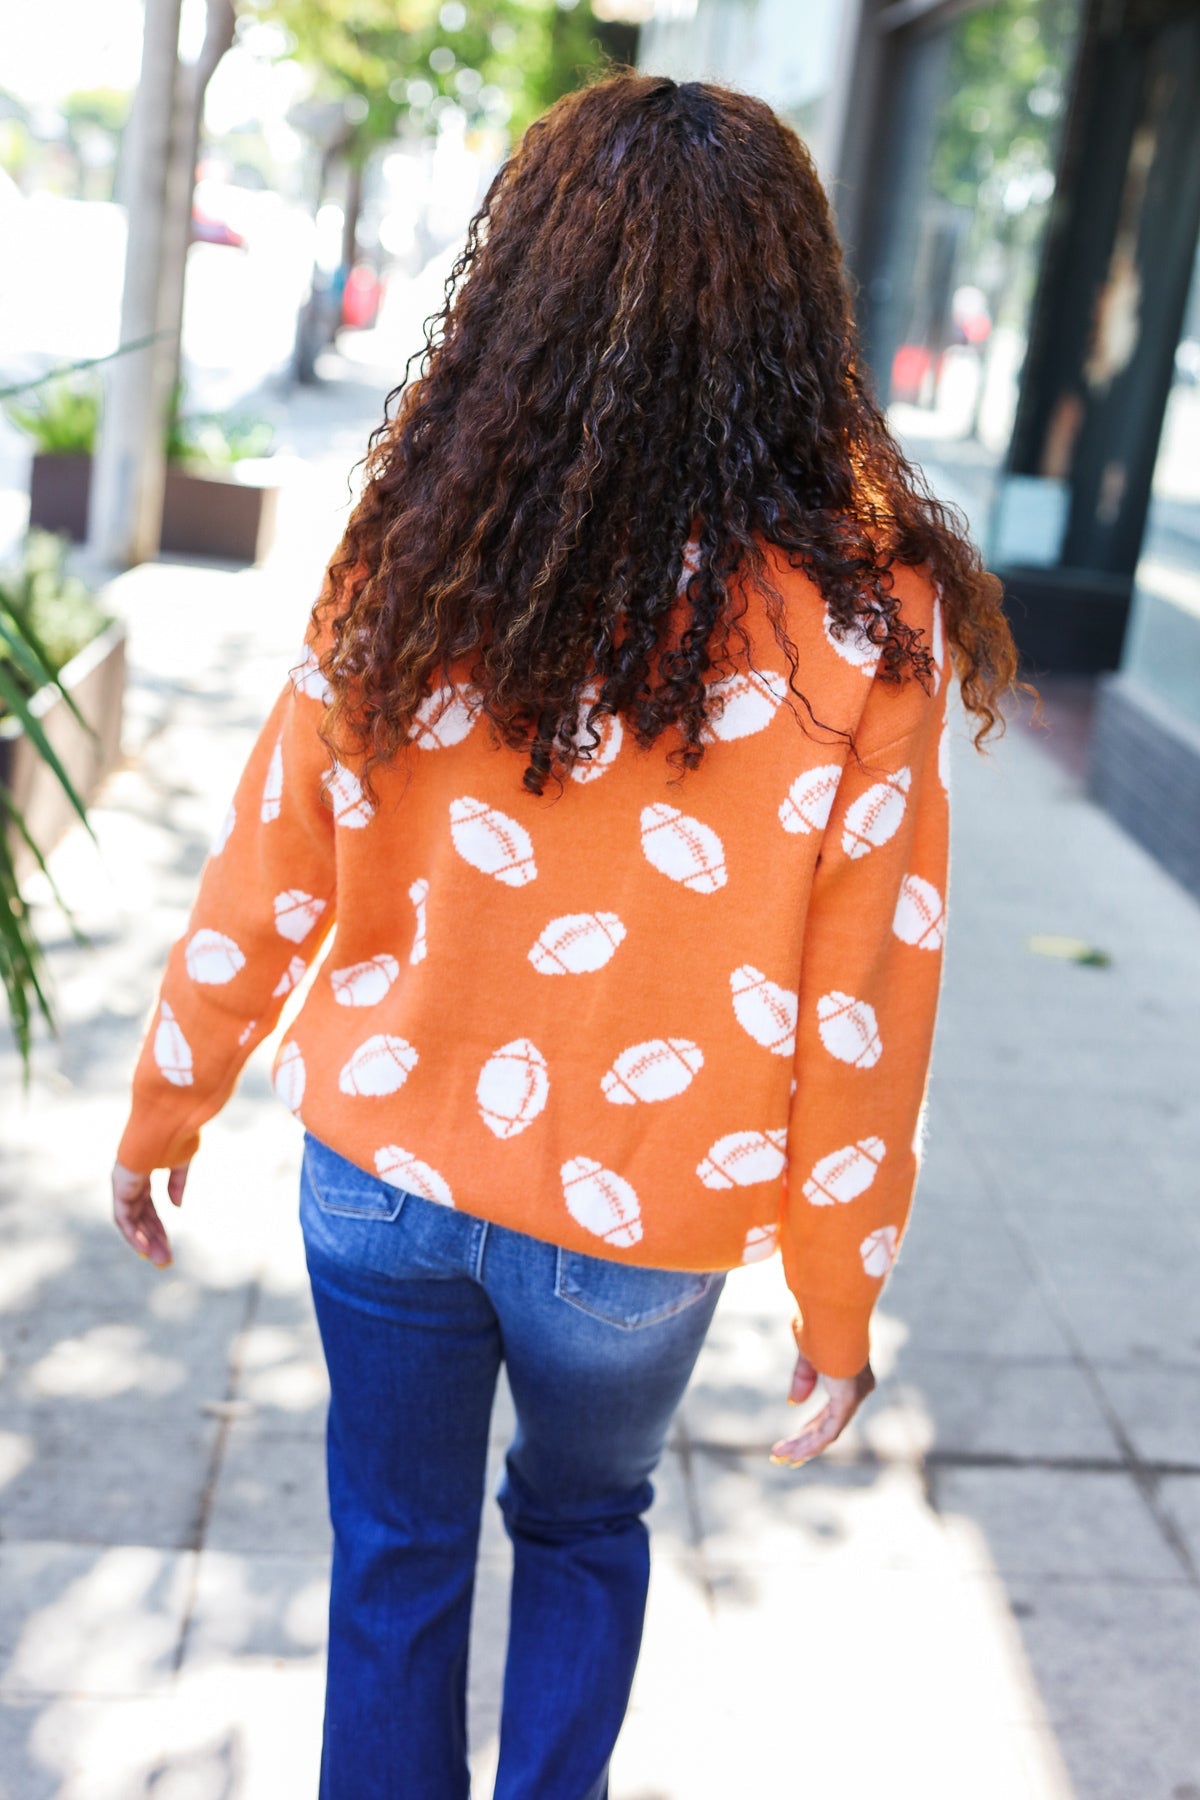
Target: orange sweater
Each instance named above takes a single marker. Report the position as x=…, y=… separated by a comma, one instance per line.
x=673, y=1022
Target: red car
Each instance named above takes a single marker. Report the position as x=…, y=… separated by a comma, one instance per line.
x=207, y=230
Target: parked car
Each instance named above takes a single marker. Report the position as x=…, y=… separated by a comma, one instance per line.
x=215, y=210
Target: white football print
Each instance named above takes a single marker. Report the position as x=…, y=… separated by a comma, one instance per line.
x=404, y=1170
x=607, y=728
x=849, y=1029
x=364, y=983
x=492, y=842
x=601, y=1201
x=844, y=1174
x=293, y=974
x=810, y=799
x=512, y=1088
x=685, y=849
x=656, y=1070
x=856, y=647
x=418, y=893
x=222, y=837
x=875, y=816
x=764, y=1009
x=943, y=760
x=272, y=799
x=380, y=1066
x=920, y=914
x=289, y=1076
x=351, y=808
x=247, y=1032
x=744, y=1158
x=691, y=563
x=751, y=700
x=444, y=717
x=172, y=1052
x=577, y=943
x=309, y=681
x=296, y=913
x=878, y=1250
x=212, y=958
x=760, y=1243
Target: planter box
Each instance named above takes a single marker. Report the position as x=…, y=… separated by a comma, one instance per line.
x=227, y=516
x=230, y=517
x=95, y=679
x=58, y=494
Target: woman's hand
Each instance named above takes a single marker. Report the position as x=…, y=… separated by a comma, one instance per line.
x=846, y=1395
x=133, y=1211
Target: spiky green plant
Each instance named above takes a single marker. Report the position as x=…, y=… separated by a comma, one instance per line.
x=28, y=664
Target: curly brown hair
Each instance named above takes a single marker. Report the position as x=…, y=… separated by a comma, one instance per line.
x=647, y=339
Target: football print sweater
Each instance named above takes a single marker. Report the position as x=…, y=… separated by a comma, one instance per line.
x=675, y=1020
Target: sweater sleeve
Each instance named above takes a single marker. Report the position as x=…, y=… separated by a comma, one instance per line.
x=264, y=906
x=868, y=999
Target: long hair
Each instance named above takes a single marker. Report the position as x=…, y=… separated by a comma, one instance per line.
x=646, y=351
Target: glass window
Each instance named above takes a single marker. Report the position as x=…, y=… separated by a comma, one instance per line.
x=1163, y=646
x=979, y=114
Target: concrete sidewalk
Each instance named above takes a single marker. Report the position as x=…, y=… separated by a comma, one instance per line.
x=989, y=1588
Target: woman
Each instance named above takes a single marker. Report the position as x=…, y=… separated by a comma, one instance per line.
x=618, y=757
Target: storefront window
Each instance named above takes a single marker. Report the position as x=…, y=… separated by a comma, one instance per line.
x=978, y=119
x=755, y=45
x=1162, y=649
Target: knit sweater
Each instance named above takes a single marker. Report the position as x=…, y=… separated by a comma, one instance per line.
x=677, y=1021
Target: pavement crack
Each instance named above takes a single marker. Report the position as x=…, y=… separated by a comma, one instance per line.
x=204, y=1510
x=1145, y=1473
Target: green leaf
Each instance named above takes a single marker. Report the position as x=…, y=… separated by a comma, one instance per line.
x=38, y=590
x=16, y=702
x=22, y=963
x=17, y=820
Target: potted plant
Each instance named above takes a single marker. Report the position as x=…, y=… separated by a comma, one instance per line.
x=62, y=423
x=60, y=701
x=221, y=486
x=60, y=661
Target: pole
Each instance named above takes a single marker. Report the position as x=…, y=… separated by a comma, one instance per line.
x=192, y=84
x=129, y=469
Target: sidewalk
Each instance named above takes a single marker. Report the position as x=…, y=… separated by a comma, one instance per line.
x=989, y=1588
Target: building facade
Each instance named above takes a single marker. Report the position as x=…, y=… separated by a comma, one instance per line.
x=1017, y=185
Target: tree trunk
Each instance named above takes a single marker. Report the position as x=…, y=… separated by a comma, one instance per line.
x=127, y=483
x=313, y=318
x=354, y=199
x=185, y=152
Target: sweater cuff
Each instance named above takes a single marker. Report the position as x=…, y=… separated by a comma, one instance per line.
x=835, y=1339
x=143, y=1149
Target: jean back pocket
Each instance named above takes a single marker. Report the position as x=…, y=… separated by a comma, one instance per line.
x=626, y=1296
x=340, y=1186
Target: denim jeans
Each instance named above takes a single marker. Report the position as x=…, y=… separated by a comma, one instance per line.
x=417, y=1306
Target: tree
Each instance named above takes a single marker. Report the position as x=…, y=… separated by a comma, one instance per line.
x=390, y=61
x=129, y=468
x=158, y=178
x=192, y=81
x=95, y=118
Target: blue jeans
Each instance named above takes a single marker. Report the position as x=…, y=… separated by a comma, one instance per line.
x=417, y=1306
